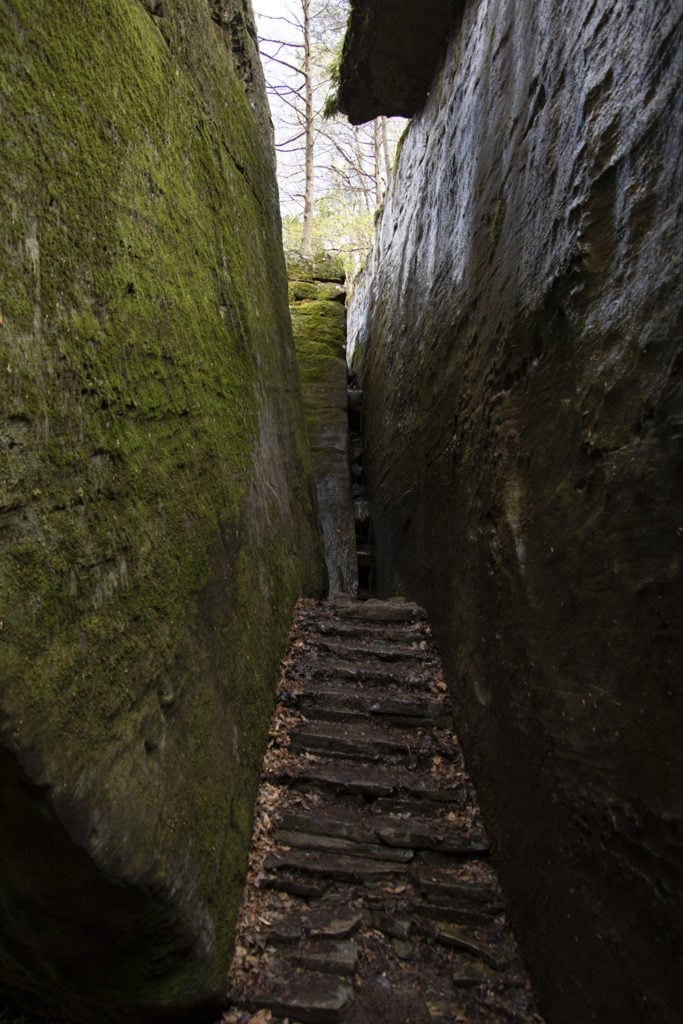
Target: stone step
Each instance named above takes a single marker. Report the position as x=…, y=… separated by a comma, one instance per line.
x=388, y=737
x=322, y=864
x=377, y=611
x=325, y=920
x=372, y=881
x=303, y=996
x=318, y=712
x=346, y=744
x=379, y=649
x=415, y=676
x=447, y=885
x=327, y=957
x=334, y=844
x=352, y=779
x=418, y=837
x=370, y=741
x=420, y=834
x=403, y=708
x=457, y=911
x=406, y=807
x=396, y=633
x=329, y=822
x=409, y=687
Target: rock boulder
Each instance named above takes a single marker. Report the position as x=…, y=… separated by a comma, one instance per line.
x=317, y=305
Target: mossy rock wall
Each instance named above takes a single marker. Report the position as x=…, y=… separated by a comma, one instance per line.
x=518, y=338
x=156, y=520
x=317, y=306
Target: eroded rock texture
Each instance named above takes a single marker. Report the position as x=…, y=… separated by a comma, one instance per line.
x=518, y=334
x=155, y=524
x=317, y=304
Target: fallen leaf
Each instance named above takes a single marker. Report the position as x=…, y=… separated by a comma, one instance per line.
x=262, y=1017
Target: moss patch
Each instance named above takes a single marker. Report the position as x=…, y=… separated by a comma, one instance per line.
x=319, y=326
x=150, y=410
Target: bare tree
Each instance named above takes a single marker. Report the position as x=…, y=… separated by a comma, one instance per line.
x=327, y=169
x=309, y=125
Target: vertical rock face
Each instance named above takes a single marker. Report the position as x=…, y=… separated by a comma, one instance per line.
x=518, y=333
x=316, y=290
x=155, y=524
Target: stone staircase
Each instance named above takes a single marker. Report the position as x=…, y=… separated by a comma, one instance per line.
x=370, y=897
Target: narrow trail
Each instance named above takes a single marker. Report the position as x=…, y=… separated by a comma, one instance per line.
x=370, y=897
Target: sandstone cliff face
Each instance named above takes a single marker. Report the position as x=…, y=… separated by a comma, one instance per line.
x=518, y=333
x=317, y=297
x=155, y=520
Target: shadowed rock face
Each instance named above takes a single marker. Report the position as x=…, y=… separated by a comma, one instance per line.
x=390, y=53
x=518, y=334
x=155, y=520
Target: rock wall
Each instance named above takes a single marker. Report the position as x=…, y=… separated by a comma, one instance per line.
x=518, y=335
x=155, y=519
x=317, y=306
x=390, y=53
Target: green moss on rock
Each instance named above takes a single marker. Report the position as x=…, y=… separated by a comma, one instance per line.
x=318, y=268
x=154, y=510
x=320, y=339
x=319, y=326
x=301, y=291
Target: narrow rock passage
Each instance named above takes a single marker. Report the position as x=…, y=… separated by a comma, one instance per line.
x=370, y=898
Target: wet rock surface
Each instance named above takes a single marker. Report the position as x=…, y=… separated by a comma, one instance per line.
x=519, y=349
x=370, y=894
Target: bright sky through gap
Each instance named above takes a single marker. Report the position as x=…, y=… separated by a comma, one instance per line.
x=351, y=165
x=267, y=9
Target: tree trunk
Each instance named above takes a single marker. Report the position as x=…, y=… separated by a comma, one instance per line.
x=360, y=162
x=378, y=162
x=307, y=235
x=385, y=150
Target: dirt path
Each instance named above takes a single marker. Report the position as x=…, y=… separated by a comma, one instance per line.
x=370, y=897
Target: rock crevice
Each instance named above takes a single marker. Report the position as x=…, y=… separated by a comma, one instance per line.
x=317, y=303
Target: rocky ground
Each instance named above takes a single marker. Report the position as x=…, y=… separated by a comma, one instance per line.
x=370, y=897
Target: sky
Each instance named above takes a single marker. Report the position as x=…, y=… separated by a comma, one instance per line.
x=270, y=9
